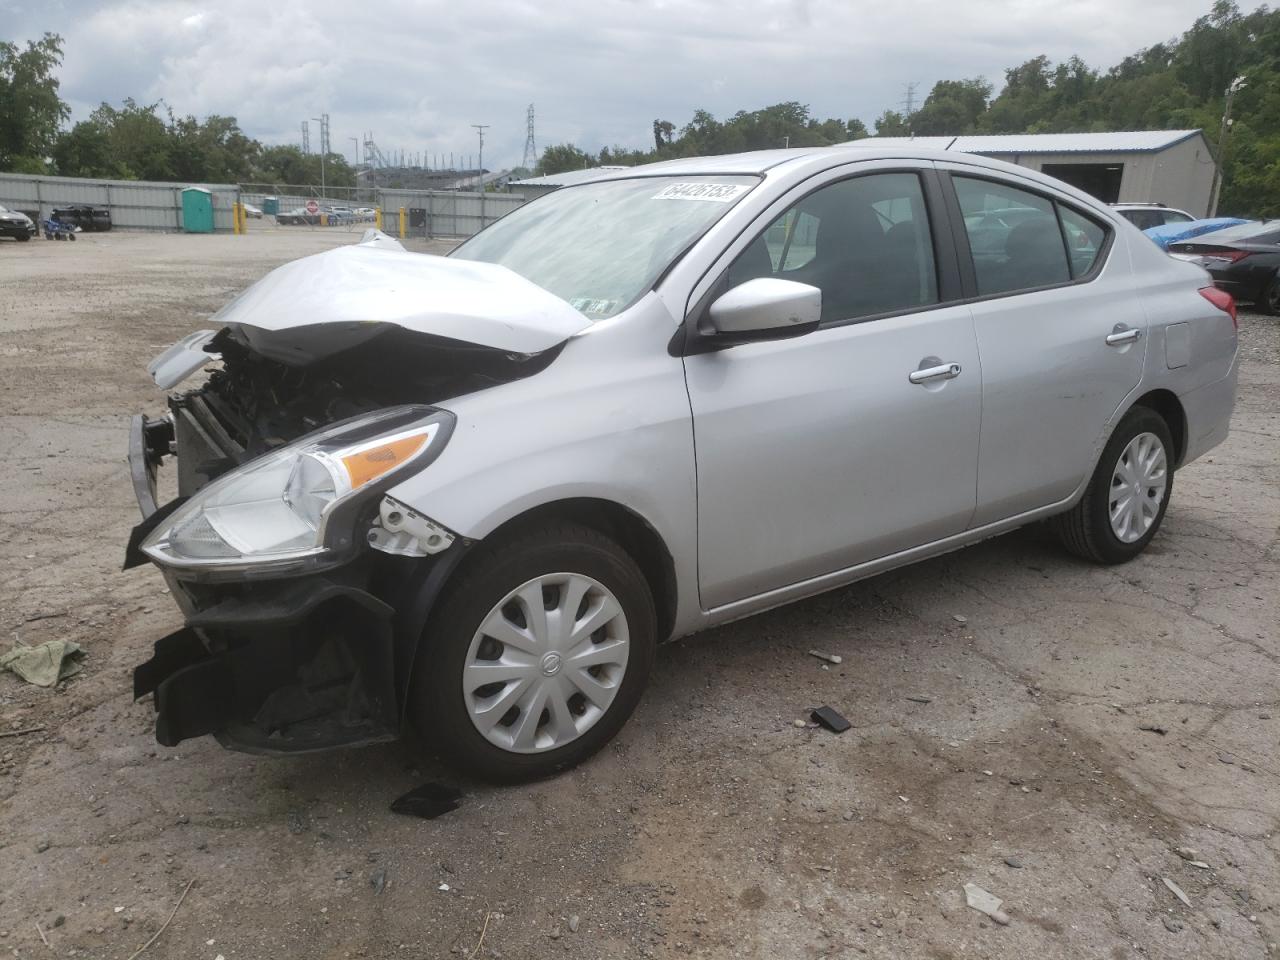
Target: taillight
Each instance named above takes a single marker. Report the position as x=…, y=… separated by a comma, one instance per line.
x=1229, y=256
x=1223, y=301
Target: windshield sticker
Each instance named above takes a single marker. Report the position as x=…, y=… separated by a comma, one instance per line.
x=594, y=308
x=717, y=192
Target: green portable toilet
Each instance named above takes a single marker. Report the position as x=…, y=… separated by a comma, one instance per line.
x=197, y=210
x=270, y=206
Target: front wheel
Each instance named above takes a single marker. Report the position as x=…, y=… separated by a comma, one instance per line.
x=537, y=655
x=1126, y=499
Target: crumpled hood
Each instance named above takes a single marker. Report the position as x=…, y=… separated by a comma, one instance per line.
x=377, y=282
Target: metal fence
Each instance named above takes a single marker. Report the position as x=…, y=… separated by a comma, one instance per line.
x=134, y=204
x=147, y=205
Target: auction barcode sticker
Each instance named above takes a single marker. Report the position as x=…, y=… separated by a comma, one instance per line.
x=718, y=192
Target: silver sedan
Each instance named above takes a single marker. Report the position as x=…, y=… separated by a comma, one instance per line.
x=474, y=493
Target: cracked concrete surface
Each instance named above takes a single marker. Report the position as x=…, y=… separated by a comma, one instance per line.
x=712, y=827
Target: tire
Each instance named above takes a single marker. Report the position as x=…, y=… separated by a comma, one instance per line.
x=1269, y=302
x=482, y=594
x=24, y=237
x=1087, y=529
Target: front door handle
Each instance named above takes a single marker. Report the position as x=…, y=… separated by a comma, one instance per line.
x=944, y=371
x=1122, y=335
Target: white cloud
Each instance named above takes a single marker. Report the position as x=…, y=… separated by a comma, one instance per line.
x=417, y=74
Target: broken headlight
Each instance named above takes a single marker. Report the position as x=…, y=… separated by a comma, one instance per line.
x=287, y=508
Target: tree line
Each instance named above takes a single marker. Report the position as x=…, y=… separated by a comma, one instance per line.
x=1178, y=84
x=134, y=141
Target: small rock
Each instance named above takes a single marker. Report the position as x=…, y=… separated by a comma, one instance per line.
x=959, y=619
x=59, y=920
x=1187, y=853
x=555, y=933
x=798, y=723
x=985, y=902
x=849, y=815
x=1176, y=891
x=1013, y=862
x=1170, y=924
x=1226, y=758
x=183, y=818
x=1153, y=728
x=444, y=887
x=296, y=823
x=378, y=880
x=829, y=657
x=573, y=923
x=42, y=845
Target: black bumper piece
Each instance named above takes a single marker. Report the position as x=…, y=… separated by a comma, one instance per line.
x=305, y=666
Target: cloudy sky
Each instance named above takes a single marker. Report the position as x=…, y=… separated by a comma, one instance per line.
x=417, y=73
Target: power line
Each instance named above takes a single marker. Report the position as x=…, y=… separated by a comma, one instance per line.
x=480, y=129
x=909, y=102
x=530, y=158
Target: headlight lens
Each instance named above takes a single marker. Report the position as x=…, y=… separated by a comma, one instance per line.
x=274, y=511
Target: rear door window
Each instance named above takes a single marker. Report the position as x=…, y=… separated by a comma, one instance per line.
x=1021, y=240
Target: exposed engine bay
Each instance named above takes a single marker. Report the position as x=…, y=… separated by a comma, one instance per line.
x=267, y=393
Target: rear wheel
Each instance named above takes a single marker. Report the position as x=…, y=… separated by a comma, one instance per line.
x=537, y=655
x=24, y=237
x=1124, y=504
x=1270, y=302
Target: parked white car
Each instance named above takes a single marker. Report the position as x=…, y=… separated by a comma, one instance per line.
x=475, y=492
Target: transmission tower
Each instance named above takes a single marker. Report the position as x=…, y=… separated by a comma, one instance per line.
x=324, y=134
x=909, y=102
x=306, y=137
x=530, y=149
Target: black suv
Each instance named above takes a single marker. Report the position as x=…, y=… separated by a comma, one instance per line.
x=84, y=215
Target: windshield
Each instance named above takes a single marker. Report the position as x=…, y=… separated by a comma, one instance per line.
x=600, y=246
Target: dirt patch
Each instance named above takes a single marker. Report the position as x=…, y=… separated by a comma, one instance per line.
x=713, y=827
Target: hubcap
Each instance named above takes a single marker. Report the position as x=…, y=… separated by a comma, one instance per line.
x=546, y=663
x=1137, y=487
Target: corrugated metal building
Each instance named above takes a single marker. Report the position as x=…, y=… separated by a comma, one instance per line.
x=535, y=187
x=1173, y=167
x=134, y=204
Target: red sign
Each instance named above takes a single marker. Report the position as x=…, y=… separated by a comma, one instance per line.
x=312, y=207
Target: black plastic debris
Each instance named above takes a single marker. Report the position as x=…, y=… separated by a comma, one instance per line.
x=428, y=801
x=830, y=719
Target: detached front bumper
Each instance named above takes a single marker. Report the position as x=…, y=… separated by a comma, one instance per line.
x=289, y=667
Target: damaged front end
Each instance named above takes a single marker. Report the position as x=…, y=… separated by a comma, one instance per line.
x=304, y=584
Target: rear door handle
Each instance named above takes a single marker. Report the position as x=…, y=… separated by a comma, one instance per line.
x=944, y=371
x=1123, y=336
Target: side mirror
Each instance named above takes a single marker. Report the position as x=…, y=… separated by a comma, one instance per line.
x=766, y=308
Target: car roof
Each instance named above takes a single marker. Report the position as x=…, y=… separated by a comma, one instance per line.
x=817, y=159
x=761, y=161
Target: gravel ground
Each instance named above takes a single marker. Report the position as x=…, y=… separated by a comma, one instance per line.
x=713, y=826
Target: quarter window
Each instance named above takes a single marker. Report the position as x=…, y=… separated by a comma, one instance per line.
x=1084, y=240
x=864, y=242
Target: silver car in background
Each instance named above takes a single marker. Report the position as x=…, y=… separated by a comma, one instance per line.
x=475, y=492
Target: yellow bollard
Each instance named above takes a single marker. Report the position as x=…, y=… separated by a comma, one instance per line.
x=235, y=218
x=377, y=217
x=402, y=223
x=324, y=219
